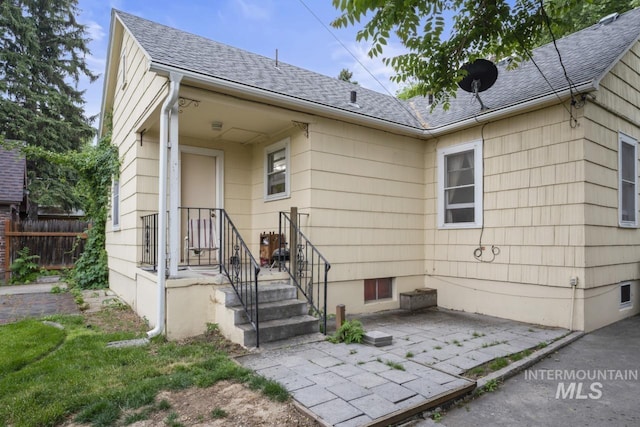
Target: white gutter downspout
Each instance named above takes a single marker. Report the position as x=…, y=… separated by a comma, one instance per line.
x=169, y=102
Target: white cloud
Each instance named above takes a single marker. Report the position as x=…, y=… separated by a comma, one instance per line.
x=253, y=11
x=95, y=31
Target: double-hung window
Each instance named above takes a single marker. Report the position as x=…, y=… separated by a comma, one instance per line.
x=276, y=168
x=460, y=186
x=627, y=181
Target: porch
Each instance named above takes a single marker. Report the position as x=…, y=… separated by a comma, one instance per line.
x=218, y=279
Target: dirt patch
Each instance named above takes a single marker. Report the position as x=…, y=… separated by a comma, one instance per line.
x=223, y=404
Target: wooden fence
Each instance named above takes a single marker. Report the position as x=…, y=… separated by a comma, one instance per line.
x=58, y=243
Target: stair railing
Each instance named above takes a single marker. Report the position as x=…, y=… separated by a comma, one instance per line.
x=235, y=259
x=306, y=266
x=241, y=269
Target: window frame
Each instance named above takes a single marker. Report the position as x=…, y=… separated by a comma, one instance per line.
x=377, y=298
x=273, y=148
x=626, y=139
x=476, y=147
x=115, y=205
x=625, y=304
x=122, y=70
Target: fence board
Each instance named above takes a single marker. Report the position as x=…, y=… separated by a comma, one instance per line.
x=58, y=243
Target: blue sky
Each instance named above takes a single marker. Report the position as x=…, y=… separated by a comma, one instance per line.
x=259, y=26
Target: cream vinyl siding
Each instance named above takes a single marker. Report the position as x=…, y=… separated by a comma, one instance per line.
x=367, y=196
x=139, y=164
x=611, y=252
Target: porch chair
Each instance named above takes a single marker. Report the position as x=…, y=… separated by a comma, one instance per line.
x=201, y=236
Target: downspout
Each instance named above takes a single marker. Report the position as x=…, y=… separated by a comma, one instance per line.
x=172, y=98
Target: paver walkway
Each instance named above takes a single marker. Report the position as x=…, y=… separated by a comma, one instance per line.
x=24, y=301
x=353, y=385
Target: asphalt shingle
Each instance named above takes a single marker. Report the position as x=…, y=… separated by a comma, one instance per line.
x=586, y=55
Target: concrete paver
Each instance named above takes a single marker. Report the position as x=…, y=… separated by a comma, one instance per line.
x=546, y=394
x=351, y=385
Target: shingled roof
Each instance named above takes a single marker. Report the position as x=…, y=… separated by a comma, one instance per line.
x=12, y=176
x=587, y=55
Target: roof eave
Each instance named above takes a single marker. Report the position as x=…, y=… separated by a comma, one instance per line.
x=287, y=101
x=513, y=109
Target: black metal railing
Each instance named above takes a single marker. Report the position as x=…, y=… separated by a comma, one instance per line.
x=150, y=240
x=241, y=269
x=211, y=238
x=306, y=266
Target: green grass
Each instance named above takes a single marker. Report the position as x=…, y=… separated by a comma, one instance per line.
x=219, y=413
x=84, y=377
x=25, y=342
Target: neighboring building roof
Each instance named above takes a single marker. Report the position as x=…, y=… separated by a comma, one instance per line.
x=587, y=56
x=12, y=176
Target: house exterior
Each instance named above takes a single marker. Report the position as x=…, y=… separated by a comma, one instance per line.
x=13, y=183
x=527, y=210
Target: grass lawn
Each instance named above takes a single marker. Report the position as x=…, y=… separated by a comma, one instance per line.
x=48, y=375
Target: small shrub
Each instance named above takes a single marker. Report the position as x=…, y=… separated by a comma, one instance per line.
x=498, y=363
x=394, y=365
x=25, y=268
x=56, y=290
x=351, y=331
x=491, y=385
x=219, y=413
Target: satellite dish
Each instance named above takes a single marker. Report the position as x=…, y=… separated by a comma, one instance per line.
x=481, y=75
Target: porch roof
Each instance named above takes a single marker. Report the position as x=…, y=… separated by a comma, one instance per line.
x=587, y=56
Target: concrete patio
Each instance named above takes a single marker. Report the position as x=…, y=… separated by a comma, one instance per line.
x=355, y=385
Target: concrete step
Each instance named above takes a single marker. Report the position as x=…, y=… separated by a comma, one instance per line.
x=267, y=292
x=279, y=329
x=272, y=310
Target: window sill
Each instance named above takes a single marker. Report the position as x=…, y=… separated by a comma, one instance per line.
x=280, y=196
x=459, y=226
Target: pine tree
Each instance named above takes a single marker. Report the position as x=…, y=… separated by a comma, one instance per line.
x=42, y=58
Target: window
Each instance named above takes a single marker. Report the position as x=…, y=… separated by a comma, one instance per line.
x=625, y=295
x=276, y=169
x=377, y=289
x=627, y=181
x=460, y=186
x=115, y=214
x=122, y=71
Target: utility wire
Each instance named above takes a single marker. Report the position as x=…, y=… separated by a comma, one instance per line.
x=555, y=45
x=404, y=107
x=573, y=120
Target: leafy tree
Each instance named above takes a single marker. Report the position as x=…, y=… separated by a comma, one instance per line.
x=435, y=52
x=42, y=57
x=96, y=167
x=346, y=75
x=582, y=15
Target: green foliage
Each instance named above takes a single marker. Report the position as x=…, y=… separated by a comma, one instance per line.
x=498, y=363
x=96, y=167
x=440, y=36
x=490, y=386
x=346, y=75
x=42, y=52
x=351, y=331
x=25, y=342
x=409, y=355
x=394, y=365
x=85, y=377
x=219, y=413
x=25, y=268
x=582, y=15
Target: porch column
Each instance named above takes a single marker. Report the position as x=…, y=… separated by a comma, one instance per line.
x=174, y=192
